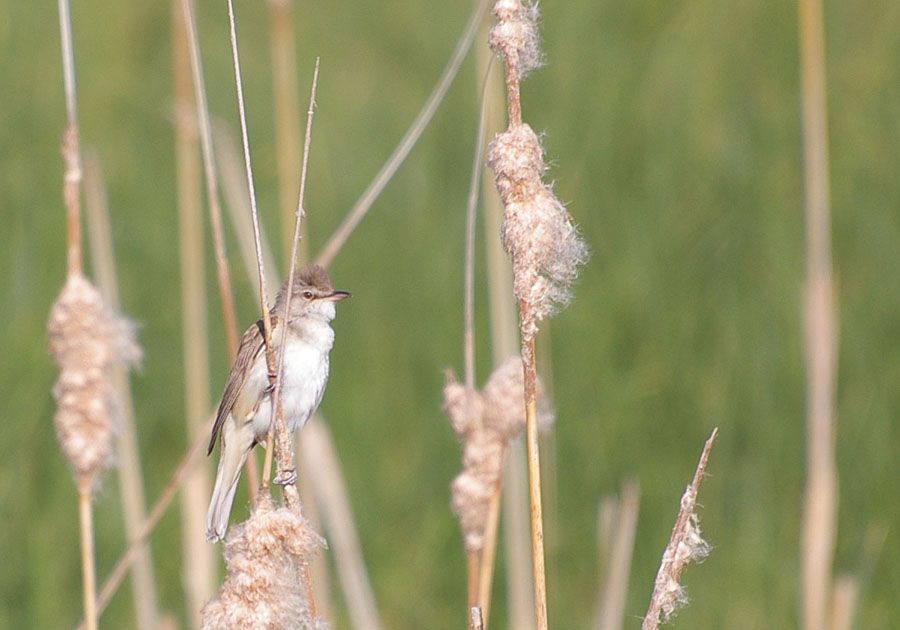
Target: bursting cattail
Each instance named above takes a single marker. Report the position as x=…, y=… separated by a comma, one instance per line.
x=484, y=422
x=86, y=340
x=264, y=559
x=686, y=545
x=537, y=232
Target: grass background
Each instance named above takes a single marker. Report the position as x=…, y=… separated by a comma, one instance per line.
x=673, y=130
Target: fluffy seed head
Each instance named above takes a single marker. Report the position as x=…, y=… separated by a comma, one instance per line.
x=485, y=422
x=515, y=35
x=263, y=585
x=86, y=340
x=537, y=231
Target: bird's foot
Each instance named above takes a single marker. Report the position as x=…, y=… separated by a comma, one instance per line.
x=285, y=477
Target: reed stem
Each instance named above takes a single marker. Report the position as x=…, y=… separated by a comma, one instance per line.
x=87, y=553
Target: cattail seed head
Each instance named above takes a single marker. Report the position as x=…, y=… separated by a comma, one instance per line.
x=515, y=35
x=263, y=585
x=485, y=422
x=86, y=340
x=537, y=231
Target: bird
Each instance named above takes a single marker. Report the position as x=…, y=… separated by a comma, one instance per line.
x=245, y=410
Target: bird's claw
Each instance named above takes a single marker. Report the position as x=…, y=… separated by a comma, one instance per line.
x=285, y=477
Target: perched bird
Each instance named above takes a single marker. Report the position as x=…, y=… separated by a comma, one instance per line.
x=245, y=411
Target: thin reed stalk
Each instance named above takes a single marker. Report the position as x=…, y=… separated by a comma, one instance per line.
x=212, y=189
x=72, y=198
x=261, y=272
x=287, y=117
x=317, y=450
x=131, y=482
x=474, y=557
x=820, y=314
x=685, y=546
x=88, y=574
x=504, y=343
x=199, y=563
x=157, y=510
x=412, y=135
x=617, y=544
x=223, y=275
x=537, y=232
x=284, y=443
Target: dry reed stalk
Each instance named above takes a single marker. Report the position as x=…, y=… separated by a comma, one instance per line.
x=261, y=272
x=504, y=343
x=284, y=444
x=212, y=189
x=287, y=116
x=844, y=602
x=685, y=546
x=128, y=557
x=86, y=340
x=484, y=422
x=234, y=185
x=617, y=544
x=199, y=563
x=131, y=483
x=317, y=450
x=820, y=314
x=223, y=276
x=370, y=194
x=537, y=232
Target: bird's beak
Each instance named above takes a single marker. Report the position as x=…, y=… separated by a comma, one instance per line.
x=337, y=296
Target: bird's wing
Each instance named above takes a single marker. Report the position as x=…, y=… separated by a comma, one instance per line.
x=252, y=343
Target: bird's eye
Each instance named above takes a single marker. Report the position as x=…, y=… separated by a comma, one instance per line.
x=308, y=295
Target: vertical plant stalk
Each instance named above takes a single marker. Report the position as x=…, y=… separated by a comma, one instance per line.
x=474, y=557
x=261, y=272
x=199, y=563
x=412, y=135
x=126, y=560
x=88, y=576
x=287, y=114
x=284, y=444
x=330, y=489
x=617, y=540
x=223, y=277
x=72, y=197
x=131, y=483
x=504, y=343
x=820, y=501
x=685, y=546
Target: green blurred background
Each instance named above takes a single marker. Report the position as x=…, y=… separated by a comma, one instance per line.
x=673, y=133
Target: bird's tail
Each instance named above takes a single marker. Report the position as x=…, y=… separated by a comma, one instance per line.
x=235, y=447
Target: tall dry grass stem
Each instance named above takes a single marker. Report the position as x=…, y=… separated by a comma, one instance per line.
x=261, y=273
x=157, y=510
x=131, y=482
x=223, y=276
x=820, y=315
x=685, y=546
x=86, y=340
x=484, y=421
x=504, y=343
x=545, y=247
x=617, y=526
x=317, y=449
x=287, y=117
x=284, y=445
x=199, y=563
x=368, y=197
